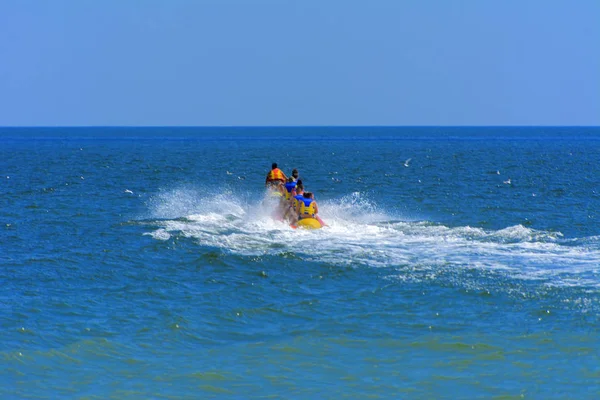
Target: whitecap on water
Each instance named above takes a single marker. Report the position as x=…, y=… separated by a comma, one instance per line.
x=159, y=234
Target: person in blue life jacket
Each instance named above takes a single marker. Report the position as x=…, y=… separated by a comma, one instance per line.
x=308, y=208
x=289, y=191
x=292, y=213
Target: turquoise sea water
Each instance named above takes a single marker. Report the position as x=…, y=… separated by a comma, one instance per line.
x=459, y=263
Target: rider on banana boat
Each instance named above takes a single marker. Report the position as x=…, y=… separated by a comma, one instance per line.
x=289, y=191
x=275, y=177
x=292, y=213
x=295, y=175
x=308, y=208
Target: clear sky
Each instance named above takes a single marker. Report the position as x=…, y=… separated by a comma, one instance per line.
x=302, y=62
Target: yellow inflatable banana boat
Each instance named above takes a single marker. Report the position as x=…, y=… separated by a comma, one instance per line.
x=308, y=223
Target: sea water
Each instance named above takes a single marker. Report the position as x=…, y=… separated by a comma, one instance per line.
x=144, y=263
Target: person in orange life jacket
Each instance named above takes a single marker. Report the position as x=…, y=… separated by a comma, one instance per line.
x=275, y=177
x=308, y=208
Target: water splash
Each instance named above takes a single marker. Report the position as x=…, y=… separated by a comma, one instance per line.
x=362, y=234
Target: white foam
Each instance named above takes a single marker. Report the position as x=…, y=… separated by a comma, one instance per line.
x=243, y=225
x=159, y=234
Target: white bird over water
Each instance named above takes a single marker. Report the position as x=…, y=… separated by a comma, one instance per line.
x=406, y=162
x=507, y=182
x=128, y=191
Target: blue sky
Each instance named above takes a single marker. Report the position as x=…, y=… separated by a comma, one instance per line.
x=277, y=62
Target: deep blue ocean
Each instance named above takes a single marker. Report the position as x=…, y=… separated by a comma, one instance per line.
x=142, y=263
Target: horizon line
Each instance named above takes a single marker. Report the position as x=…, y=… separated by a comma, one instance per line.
x=280, y=126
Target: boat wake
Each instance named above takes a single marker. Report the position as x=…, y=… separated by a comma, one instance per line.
x=367, y=236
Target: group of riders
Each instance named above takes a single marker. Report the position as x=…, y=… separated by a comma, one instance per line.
x=295, y=203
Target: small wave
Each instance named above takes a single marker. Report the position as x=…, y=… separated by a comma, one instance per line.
x=520, y=233
x=159, y=234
